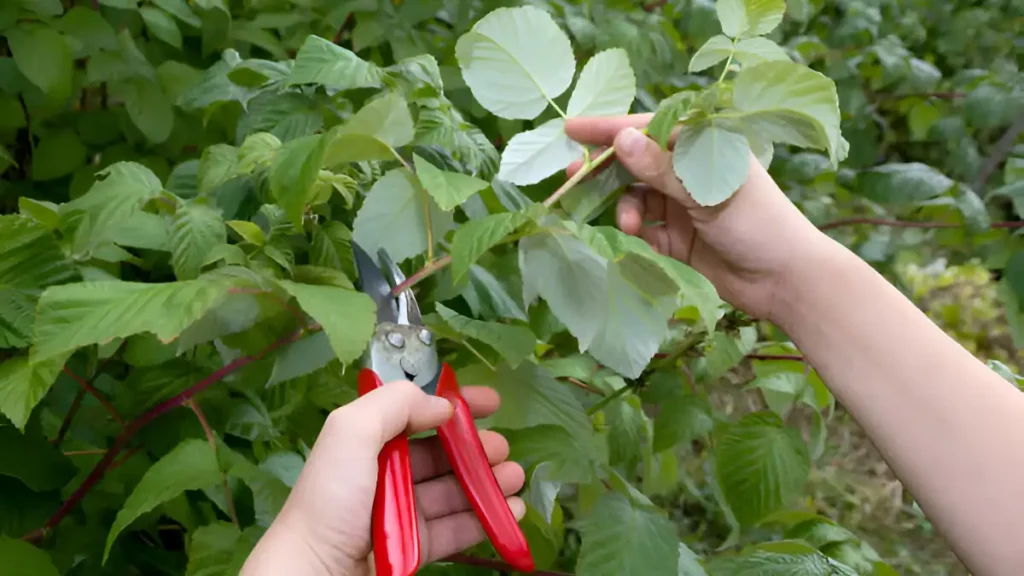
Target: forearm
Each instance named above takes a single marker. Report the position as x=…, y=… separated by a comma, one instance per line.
x=951, y=429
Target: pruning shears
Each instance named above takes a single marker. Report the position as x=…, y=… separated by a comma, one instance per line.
x=403, y=349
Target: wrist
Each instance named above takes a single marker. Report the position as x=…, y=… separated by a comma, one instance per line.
x=814, y=274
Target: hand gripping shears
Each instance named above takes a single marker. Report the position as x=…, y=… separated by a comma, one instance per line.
x=403, y=349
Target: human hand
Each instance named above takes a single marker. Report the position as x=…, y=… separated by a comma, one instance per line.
x=745, y=246
x=324, y=527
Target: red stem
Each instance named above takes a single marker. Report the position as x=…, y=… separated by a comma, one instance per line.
x=191, y=403
x=132, y=428
x=65, y=425
x=96, y=393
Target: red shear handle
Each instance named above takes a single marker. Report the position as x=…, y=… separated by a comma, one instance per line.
x=461, y=441
x=394, y=530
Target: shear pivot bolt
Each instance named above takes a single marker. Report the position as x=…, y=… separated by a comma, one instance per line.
x=426, y=337
x=396, y=339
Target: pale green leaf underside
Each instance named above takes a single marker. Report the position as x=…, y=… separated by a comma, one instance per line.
x=534, y=155
x=606, y=86
x=191, y=465
x=715, y=50
x=747, y=18
x=393, y=217
x=515, y=61
x=712, y=162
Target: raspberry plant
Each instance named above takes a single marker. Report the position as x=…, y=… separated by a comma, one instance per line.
x=182, y=180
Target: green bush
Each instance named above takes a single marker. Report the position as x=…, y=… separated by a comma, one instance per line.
x=182, y=181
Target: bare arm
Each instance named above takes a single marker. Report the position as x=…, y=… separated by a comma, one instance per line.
x=950, y=428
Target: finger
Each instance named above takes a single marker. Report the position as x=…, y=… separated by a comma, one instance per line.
x=649, y=163
x=382, y=414
x=629, y=214
x=483, y=400
x=444, y=496
x=455, y=533
x=602, y=130
x=430, y=461
x=577, y=164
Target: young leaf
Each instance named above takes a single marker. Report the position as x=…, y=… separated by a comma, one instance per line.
x=449, y=189
x=320, y=61
x=372, y=133
x=712, y=161
x=476, y=237
x=212, y=549
x=30, y=261
x=347, y=316
x=534, y=155
x=198, y=228
x=191, y=465
x=21, y=558
x=762, y=465
x=23, y=385
x=514, y=343
x=790, y=103
x=669, y=112
x=516, y=61
x=42, y=55
x=715, y=50
x=747, y=18
x=74, y=315
x=621, y=538
x=294, y=171
x=606, y=86
x=393, y=217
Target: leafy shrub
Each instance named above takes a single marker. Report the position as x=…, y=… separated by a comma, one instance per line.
x=183, y=181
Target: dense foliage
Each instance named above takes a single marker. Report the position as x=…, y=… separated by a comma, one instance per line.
x=182, y=180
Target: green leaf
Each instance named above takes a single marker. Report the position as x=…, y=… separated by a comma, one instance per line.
x=682, y=418
x=212, y=550
x=516, y=61
x=161, y=25
x=902, y=183
x=23, y=385
x=86, y=31
x=606, y=86
x=514, y=343
x=757, y=50
x=147, y=106
x=43, y=56
x=781, y=558
x=670, y=111
x=191, y=465
x=715, y=50
x=30, y=261
x=746, y=18
x=180, y=9
x=621, y=538
x=30, y=458
x=530, y=396
x=304, y=356
x=393, y=217
x=448, y=189
x=58, y=154
x=533, y=155
x=790, y=103
x=762, y=466
x=249, y=231
x=294, y=172
x=25, y=559
x=71, y=316
x=347, y=316
x=555, y=455
x=712, y=161
x=372, y=133
x=198, y=228
x=320, y=61
x=474, y=238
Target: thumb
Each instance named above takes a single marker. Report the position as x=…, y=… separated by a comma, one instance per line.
x=647, y=161
x=390, y=410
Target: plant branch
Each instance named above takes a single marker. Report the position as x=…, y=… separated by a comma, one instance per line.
x=135, y=425
x=600, y=405
x=191, y=403
x=583, y=385
x=907, y=223
x=793, y=357
x=580, y=174
x=65, y=425
x=498, y=565
x=96, y=393
x=999, y=153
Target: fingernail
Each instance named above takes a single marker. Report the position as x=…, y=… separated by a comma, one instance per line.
x=631, y=142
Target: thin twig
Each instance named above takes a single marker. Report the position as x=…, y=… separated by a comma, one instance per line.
x=96, y=393
x=191, y=403
x=608, y=400
x=85, y=452
x=135, y=425
x=793, y=357
x=583, y=385
x=423, y=273
x=580, y=174
x=999, y=153
x=65, y=425
x=498, y=565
